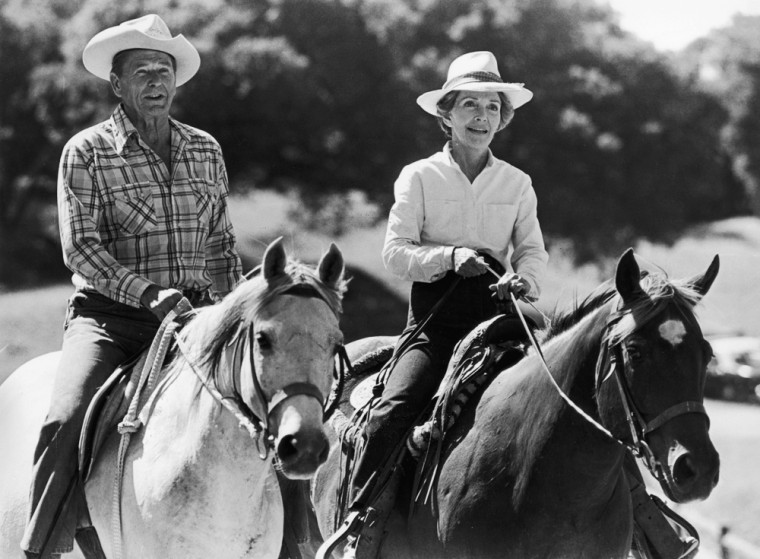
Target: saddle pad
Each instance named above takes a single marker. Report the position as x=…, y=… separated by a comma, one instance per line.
x=107, y=408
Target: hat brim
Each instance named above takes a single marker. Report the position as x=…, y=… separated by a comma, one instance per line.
x=516, y=93
x=99, y=52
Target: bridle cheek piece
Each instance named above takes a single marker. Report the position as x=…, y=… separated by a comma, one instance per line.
x=638, y=426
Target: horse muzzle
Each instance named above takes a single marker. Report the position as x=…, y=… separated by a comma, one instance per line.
x=690, y=476
x=300, y=443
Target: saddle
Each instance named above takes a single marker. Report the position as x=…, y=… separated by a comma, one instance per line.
x=487, y=349
x=107, y=408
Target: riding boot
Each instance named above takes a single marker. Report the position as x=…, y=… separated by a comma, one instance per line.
x=654, y=536
x=366, y=544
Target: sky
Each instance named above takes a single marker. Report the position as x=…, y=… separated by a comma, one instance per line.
x=672, y=24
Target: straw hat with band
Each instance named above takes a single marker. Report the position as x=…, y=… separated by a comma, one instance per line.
x=147, y=32
x=475, y=71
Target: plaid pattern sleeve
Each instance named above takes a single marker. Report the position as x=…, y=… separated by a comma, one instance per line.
x=222, y=258
x=127, y=220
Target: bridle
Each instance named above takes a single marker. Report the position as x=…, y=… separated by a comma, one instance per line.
x=611, y=360
x=255, y=418
x=639, y=427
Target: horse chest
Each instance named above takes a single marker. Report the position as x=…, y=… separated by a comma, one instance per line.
x=195, y=496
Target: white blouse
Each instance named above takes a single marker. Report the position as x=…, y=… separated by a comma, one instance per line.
x=437, y=208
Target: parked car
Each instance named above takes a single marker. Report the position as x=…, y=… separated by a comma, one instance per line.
x=734, y=371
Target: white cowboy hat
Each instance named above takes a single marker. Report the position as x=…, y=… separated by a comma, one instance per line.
x=147, y=32
x=475, y=71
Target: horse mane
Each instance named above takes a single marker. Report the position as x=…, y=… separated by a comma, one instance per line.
x=659, y=289
x=576, y=332
x=212, y=328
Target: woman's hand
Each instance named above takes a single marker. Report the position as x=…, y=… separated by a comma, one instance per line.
x=467, y=262
x=510, y=283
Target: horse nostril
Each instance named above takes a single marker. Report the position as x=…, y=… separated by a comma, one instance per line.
x=287, y=448
x=684, y=471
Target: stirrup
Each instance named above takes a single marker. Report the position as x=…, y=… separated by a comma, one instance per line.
x=351, y=526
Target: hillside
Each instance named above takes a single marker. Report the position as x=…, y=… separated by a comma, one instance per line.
x=30, y=323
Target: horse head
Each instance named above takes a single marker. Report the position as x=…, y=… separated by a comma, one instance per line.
x=651, y=375
x=269, y=347
x=295, y=338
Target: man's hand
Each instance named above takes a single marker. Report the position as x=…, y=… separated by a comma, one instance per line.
x=160, y=301
x=468, y=263
x=510, y=283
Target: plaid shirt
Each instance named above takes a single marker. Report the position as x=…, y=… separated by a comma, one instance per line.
x=126, y=223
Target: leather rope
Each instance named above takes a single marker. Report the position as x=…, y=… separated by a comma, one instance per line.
x=131, y=423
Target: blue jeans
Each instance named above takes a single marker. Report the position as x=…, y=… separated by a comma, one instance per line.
x=419, y=370
x=99, y=335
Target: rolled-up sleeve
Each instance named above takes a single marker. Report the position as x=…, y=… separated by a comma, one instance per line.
x=403, y=254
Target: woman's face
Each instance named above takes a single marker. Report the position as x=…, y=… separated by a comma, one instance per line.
x=474, y=118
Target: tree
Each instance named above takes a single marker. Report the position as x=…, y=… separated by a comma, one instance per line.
x=27, y=167
x=319, y=96
x=725, y=64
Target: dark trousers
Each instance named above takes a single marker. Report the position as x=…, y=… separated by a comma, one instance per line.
x=99, y=335
x=418, y=372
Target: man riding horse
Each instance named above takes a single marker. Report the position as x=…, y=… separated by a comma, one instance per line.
x=143, y=219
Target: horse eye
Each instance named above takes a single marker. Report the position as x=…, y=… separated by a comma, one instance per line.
x=633, y=351
x=263, y=341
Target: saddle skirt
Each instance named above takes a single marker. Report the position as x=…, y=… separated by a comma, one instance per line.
x=107, y=408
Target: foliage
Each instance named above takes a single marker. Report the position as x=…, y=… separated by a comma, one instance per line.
x=318, y=96
x=726, y=63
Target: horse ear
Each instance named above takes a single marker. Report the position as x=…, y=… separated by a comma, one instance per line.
x=628, y=277
x=331, y=266
x=274, y=261
x=703, y=283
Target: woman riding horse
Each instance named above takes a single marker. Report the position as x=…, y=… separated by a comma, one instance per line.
x=536, y=466
x=456, y=214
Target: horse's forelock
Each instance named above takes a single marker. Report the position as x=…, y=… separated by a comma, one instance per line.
x=661, y=292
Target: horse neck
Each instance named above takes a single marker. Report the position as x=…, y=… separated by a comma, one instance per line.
x=551, y=430
x=191, y=399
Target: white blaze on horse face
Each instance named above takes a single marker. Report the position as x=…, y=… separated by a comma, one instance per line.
x=672, y=331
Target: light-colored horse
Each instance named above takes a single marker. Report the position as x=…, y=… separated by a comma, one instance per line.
x=194, y=483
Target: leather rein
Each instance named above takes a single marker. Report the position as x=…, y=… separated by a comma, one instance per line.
x=639, y=427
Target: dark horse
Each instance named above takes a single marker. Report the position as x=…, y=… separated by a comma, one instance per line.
x=524, y=474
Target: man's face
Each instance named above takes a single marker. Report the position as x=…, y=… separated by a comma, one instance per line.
x=147, y=83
